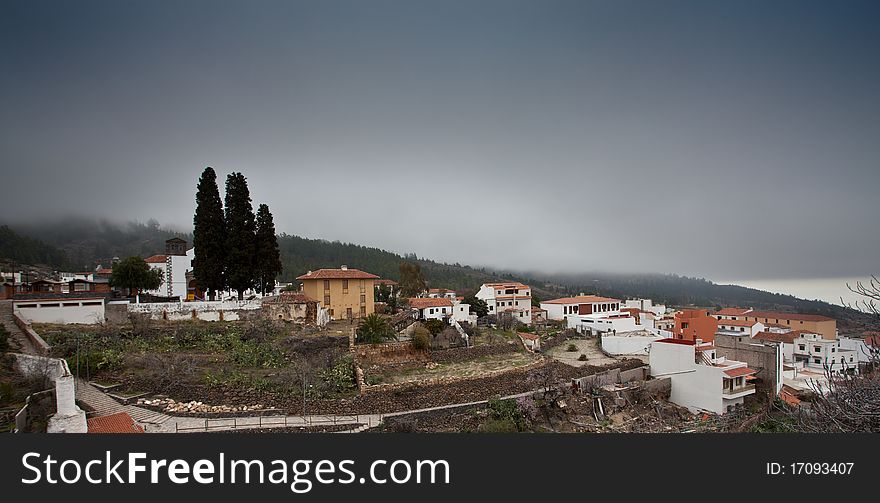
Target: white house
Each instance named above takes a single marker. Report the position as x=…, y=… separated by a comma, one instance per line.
x=700, y=381
x=815, y=351
x=511, y=297
x=436, y=293
x=739, y=327
x=629, y=343
x=174, y=264
x=646, y=305
x=591, y=313
x=431, y=308
x=532, y=342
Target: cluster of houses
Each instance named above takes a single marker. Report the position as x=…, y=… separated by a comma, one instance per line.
x=713, y=359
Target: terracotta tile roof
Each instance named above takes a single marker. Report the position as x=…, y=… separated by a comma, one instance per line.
x=422, y=303
x=528, y=336
x=580, y=299
x=737, y=323
x=440, y=290
x=115, y=423
x=787, y=394
x=104, y=271
x=677, y=341
x=155, y=259
x=337, y=274
x=732, y=311
x=512, y=284
x=390, y=282
x=787, y=337
x=788, y=316
x=740, y=371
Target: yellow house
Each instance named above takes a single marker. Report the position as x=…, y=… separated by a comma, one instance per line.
x=346, y=293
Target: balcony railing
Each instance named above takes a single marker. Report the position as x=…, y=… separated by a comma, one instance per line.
x=738, y=390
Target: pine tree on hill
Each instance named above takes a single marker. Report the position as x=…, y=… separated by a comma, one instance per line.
x=268, y=257
x=209, y=236
x=240, y=235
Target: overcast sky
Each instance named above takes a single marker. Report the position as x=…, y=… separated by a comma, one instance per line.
x=733, y=140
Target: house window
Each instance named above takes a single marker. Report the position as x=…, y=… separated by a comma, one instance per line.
x=363, y=310
x=431, y=311
x=326, y=300
x=326, y=284
x=816, y=360
x=348, y=312
x=817, y=349
x=363, y=299
x=345, y=286
x=444, y=310
x=802, y=347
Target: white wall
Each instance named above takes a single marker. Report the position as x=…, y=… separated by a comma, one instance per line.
x=205, y=310
x=861, y=349
x=62, y=311
x=582, y=322
x=617, y=345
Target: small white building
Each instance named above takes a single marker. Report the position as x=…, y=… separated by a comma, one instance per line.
x=512, y=297
x=591, y=313
x=629, y=343
x=700, y=380
x=532, y=342
x=437, y=293
x=431, y=308
x=815, y=351
x=739, y=327
x=646, y=305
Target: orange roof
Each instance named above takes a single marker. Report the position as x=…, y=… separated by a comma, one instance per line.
x=788, y=316
x=337, y=274
x=732, y=311
x=386, y=282
x=737, y=323
x=114, y=423
x=787, y=337
x=422, y=303
x=580, y=299
x=104, y=271
x=440, y=290
x=512, y=284
x=155, y=259
x=526, y=335
x=788, y=396
x=740, y=371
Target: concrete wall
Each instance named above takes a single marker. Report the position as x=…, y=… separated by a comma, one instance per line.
x=39, y=344
x=766, y=358
x=62, y=311
x=68, y=417
x=617, y=345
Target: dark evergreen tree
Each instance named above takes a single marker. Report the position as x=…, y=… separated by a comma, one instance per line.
x=241, y=230
x=268, y=258
x=209, y=235
x=411, y=282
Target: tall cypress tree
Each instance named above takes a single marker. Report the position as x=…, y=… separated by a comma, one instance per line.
x=240, y=235
x=268, y=263
x=209, y=235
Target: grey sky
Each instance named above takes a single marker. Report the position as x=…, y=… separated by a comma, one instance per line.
x=721, y=139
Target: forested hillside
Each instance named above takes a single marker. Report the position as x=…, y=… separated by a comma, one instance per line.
x=26, y=250
x=80, y=244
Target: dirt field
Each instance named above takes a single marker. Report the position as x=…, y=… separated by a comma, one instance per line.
x=589, y=347
x=472, y=368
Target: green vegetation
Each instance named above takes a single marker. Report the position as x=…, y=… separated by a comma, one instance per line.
x=339, y=377
x=25, y=250
x=421, y=338
x=505, y=417
x=571, y=348
x=209, y=235
x=411, y=281
x=478, y=306
x=134, y=274
x=434, y=326
x=4, y=339
x=268, y=257
x=241, y=228
x=374, y=329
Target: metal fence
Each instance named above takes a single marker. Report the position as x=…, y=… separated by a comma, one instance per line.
x=251, y=422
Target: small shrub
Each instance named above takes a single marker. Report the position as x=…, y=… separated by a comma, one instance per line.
x=339, y=377
x=582, y=358
x=498, y=426
x=421, y=340
x=571, y=348
x=434, y=326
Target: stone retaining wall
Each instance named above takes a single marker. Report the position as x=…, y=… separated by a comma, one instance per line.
x=39, y=344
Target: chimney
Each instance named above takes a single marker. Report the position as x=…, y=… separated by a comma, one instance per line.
x=344, y=267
